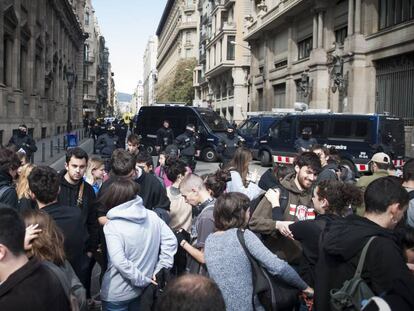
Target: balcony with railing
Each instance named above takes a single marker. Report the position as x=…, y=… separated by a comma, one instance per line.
x=87, y=97
x=89, y=79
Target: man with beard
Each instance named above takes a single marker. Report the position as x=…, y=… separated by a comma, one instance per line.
x=77, y=193
x=305, y=143
x=23, y=142
x=187, y=143
x=291, y=201
x=165, y=136
x=228, y=145
x=9, y=163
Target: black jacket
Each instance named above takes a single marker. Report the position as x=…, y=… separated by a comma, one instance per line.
x=342, y=243
x=33, y=288
x=165, y=137
x=68, y=196
x=106, y=144
x=9, y=197
x=268, y=180
x=69, y=220
x=25, y=142
x=187, y=142
x=328, y=172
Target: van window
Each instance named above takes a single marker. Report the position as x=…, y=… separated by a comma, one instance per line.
x=342, y=128
x=361, y=129
x=250, y=128
x=285, y=129
x=317, y=127
x=350, y=129
x=214, y=121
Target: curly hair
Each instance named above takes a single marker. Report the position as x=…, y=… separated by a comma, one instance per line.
x=216, y=183
x=339, y=196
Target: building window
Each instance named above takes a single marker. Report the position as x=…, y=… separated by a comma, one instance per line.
x=279, y=92
x=7, y=61
x=393, y=12
x=231, y=48
x=260, y=100
x=340, y=35
x=304, y=48
x=87, y=17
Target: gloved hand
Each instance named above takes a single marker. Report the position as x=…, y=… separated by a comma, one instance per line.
x=182, y=235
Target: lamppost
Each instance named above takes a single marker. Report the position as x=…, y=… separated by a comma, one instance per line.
x=339, y=80
x=70, y=77
x=305, y=84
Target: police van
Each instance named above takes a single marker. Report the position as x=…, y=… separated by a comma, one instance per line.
x=255, y=126
x=356, y=137
x=210, y=126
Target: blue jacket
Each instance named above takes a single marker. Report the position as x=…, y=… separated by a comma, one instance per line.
x=139, y=245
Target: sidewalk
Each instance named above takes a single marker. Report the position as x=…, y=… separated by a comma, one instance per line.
x=51, y=150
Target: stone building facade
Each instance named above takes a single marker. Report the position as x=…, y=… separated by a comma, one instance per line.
x=177, y=34
x=39, y=42
x=150, y=71
x=222, y=74
x=91, y=57
x=352, y=56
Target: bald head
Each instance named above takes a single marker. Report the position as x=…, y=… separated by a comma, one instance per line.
x=192, y=182
x=192, y=293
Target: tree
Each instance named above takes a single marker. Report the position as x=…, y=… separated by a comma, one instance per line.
x=180, y=88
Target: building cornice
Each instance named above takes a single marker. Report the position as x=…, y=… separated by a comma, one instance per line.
x=164, y=17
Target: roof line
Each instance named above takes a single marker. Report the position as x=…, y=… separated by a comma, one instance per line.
x=164, y=16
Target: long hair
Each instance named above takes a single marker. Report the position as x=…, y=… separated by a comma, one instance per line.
x=49, y=244
x=240, y=162
x=93, y=164
x=22, y=186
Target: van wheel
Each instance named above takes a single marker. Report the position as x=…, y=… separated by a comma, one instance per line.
x=150, y=149
x=209, y=155
x=265, y=158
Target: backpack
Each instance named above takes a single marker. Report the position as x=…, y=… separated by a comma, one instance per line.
x=3, y=190
x=411, y=195
x=277, y=213
x=354, y=291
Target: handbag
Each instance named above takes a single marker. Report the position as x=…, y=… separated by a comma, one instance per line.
x=273, y=292
x=354, y=291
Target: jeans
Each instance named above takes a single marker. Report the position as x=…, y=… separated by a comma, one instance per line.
x=126, y=305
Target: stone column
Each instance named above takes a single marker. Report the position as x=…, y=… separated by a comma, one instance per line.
x=240, y=94
x=350, y=17
x=357, y=16
x=315, y=31
x=320, y=29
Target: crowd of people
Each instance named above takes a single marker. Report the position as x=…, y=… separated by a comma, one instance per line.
x=168, y=239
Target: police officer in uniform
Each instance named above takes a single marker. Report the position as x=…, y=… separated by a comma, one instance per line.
x=107, y=142
x=165, y=136
x=187, y=143
x=23, y=142
x=121, y=130
x=305, y=143
x=228, y=145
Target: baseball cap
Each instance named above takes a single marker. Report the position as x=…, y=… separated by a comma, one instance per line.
x=380, y=157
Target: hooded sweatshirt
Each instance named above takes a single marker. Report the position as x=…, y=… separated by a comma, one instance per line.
x=139, y=245
x=342, y=243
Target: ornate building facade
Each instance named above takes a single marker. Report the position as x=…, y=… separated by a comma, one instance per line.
x=352, y=56
x=40, y=42
x=222, y=74
x=150, y=71
x=177, y=34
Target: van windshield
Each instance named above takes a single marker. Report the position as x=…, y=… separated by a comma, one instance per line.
x=214, y=121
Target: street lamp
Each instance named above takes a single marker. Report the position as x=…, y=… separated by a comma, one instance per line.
x=339, y=80
x=305, y=84
x=70, y=77
x=243, y=46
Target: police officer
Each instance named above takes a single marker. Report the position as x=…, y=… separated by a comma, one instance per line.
x=165, y=136
x=228, y=145
x=187, y=143
x=305, y=143
x=121, y=130
x=107, y=142
x=23, y=142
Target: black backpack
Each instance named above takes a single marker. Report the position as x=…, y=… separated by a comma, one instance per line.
x=277, y=213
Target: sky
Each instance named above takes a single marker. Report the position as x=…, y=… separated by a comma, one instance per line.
x=127, y=26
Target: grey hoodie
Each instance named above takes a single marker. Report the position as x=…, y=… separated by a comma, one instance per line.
x=139, y=245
